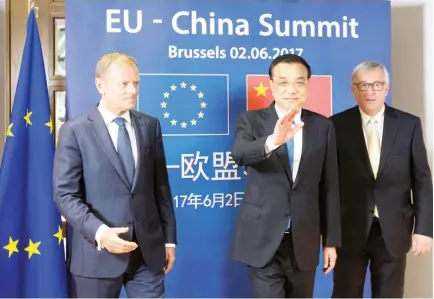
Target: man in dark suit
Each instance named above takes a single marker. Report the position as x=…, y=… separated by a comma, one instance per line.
x=111, y=185
x=382, y=161
x=291, y=198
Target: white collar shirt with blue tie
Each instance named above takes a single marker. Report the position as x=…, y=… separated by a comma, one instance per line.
x=113, y=128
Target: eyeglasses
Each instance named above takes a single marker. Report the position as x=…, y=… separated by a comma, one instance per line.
x=297, y=85
x=376, y=86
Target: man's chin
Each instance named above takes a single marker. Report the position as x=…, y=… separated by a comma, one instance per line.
x=130, y=106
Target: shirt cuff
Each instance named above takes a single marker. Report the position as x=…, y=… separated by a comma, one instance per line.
x=98, y=235
x=170, y=245
x=269, y=146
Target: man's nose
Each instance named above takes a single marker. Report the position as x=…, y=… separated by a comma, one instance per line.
x=131, y=89
x=370, y=91
x=290, y=90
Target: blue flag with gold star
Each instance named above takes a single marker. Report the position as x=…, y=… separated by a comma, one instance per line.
x=187, y=104
x=32, y=258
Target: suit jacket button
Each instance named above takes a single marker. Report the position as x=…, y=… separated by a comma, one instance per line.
x=293, y=192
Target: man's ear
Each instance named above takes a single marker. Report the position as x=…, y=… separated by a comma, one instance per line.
x=100, y=85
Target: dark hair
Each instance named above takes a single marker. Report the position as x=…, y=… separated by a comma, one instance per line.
x=288, y=58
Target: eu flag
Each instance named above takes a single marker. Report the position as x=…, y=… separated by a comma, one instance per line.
x=32, y=259
x=186, y=104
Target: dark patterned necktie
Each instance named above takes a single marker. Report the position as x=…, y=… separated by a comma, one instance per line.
x=124, y=149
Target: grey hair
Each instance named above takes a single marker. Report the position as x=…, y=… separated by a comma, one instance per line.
x=369, y=65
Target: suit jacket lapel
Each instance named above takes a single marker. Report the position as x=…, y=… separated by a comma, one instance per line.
x=309, y=138
x=270, y=119
x=102, y=135
x=390, y=128
x=139, y=125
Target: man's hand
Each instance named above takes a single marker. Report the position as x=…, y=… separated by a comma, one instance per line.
x=421, y=244
x=330, y=257
x=110, y=240
x=170, y=259
x=284, y=130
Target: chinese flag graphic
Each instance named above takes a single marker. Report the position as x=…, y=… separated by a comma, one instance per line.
x=319, y=97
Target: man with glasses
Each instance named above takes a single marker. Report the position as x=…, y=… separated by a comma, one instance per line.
x=382, y=163
x=291, y=197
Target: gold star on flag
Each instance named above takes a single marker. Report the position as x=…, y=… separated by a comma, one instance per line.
x=166, y=115
x=183, y=85
x=203, y=105
x=193, y=87
x=27, y=118
x=12, y=246
x=166, y=95
x=173, y=122
x=200, y=114
x=50, y=125
x=59, y=234
x=200, y=95
x=163, y=105
x=183, y=125
x=173, y=87
x=193, y=122
x=32, y=248
x=261, y=90
x=9, y=130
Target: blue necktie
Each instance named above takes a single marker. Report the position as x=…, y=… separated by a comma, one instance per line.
x=124, y=149
x=290, y=147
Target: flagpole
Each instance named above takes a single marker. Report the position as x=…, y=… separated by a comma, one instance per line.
x=32, y=5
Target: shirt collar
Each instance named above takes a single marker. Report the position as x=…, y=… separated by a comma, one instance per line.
x=365, y=118
x=280, y=113
x=109, y=116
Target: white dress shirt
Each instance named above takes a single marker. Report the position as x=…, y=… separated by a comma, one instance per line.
x=113, y=129
x=367, y=127
x=298, y=142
